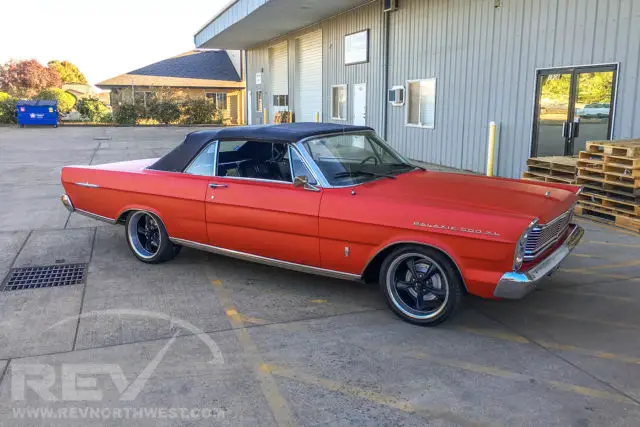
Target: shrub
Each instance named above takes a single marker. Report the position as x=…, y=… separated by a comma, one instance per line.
x=8, y=111
x=165, y=111
x=91, y=108
x=66, y=101
x=106, y=118
x=126, y=114
x=4, y=96
x=199, y=111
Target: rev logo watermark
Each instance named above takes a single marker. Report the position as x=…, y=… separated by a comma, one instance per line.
x=90, y=381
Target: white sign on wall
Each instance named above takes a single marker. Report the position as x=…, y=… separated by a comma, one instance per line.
x=258, y=78
x=356, y=48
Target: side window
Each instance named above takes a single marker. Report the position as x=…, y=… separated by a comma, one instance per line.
x=299, y=168
x=204, y=161
x=254, y=160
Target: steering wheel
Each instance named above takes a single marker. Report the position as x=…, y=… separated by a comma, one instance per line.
x=374, y=158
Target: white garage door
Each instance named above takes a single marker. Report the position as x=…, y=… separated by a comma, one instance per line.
x=308, y=95
x=279, y=76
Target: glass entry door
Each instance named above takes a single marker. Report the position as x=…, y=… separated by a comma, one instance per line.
x=573, y=106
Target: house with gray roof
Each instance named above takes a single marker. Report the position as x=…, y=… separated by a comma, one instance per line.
x=211, y=74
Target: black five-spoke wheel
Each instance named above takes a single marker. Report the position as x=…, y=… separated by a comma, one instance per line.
x=421, y=285
x=148, y=239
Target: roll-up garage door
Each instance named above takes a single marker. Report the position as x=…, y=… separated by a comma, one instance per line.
x=279, y=77
x=308, y=95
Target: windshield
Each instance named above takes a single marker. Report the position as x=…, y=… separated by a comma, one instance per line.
x=350, y=159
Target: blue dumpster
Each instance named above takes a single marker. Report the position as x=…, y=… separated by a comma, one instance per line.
x=40, y=112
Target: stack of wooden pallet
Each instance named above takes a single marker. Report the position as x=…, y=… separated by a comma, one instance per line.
x=609, y=171
x=551, y=169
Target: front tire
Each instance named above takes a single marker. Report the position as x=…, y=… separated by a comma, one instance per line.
x=148, y=239
x=421, y=285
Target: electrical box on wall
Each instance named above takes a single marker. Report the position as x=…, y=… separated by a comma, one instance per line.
x=389, y=5
x=396, y=96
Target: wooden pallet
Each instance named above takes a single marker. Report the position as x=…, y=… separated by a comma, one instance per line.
x=535, y=175
x=618, y=204
x=623, y=148
x=604, y=215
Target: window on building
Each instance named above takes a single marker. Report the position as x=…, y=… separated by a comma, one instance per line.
x=142, y=97
x=259, y=101
x=421, y=103
x=339, y=102
x=280, y=100
x=218, y=98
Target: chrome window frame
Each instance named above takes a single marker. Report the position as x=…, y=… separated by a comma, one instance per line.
x=215, y=159
x=324, y=183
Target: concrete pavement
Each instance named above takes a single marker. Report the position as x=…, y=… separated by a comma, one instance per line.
x=245, y=344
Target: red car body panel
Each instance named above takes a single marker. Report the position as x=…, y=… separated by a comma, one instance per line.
x=474, y=220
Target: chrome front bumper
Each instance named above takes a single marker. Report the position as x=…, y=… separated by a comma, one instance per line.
x=514, y=285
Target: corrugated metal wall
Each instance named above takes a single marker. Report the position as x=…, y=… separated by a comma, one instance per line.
x=485, y=60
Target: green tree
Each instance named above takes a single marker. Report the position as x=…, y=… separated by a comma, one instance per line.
x=68, y=72
x=66, y=101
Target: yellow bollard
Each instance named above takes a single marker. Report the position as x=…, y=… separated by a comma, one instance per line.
x=491, y=150
x=317, y=117
x=265, y=116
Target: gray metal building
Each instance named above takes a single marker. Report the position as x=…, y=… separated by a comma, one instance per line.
x=429, y=75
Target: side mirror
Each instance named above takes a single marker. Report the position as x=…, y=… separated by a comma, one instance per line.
x=300, y=181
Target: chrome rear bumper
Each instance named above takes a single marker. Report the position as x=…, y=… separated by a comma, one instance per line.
x=66, y=201
x=514, y=285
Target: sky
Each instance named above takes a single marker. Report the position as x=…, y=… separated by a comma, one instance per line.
x=103, y=38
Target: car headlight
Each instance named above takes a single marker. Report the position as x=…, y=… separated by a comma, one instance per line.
x=518, y=257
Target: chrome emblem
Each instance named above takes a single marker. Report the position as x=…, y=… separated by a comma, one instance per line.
x=547, y=194
x=453, y=228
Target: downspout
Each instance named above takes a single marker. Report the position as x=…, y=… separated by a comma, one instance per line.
x=385, y=73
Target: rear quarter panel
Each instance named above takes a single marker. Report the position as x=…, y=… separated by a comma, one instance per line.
x=178, y=199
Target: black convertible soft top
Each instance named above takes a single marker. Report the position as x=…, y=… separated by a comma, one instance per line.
x=178, y=158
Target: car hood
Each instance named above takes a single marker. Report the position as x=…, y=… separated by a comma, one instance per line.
x=476, y=193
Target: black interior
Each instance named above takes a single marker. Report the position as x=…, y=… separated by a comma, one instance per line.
x=259, y=160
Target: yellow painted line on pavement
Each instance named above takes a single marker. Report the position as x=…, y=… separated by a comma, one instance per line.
x=619, y=245
x=585, y=319
x=583, y=255
x=605, y=275
x=514, y=376
x=277, y=403
x=617, y=265
x=319, y=301
x=506, y=336
x=371, y=396
x=581, y=293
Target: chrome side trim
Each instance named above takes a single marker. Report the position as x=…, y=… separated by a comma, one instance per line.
x=86, y=184
x=410, y=242
x=264, y=260
x=96, y=216
x=515, y=285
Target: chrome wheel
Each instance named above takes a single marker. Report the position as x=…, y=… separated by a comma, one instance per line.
x=417, y=286
x=144, y=235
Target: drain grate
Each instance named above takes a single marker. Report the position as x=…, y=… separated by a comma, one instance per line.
x=44, y=276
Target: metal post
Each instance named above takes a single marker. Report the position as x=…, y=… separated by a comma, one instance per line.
x=317, y=117
x=265, y=116
x=491, y=150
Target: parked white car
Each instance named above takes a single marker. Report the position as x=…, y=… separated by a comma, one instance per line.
x=594, y=110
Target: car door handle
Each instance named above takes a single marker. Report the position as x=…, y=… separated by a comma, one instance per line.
x=214, y=185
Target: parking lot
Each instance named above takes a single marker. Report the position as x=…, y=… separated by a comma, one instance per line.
x=255, y=345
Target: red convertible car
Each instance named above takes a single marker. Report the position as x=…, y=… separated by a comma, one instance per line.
x=338, y=201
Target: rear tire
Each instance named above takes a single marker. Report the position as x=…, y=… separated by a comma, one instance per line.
x=421, y=285
x=148, y=239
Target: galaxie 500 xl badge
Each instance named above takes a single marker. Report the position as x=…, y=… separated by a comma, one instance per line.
x=462, y=229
